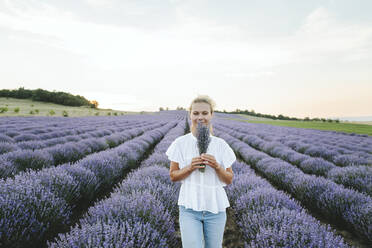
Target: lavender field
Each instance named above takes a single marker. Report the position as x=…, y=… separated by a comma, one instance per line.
x=104, y=182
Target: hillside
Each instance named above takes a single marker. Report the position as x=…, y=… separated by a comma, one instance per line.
x=36, y=108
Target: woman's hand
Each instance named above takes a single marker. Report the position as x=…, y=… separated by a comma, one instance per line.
x=225, y=176
x=195, y=163
x=210, y=160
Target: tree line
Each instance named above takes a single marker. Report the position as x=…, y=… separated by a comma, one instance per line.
x=278, y=117
x=59, y=97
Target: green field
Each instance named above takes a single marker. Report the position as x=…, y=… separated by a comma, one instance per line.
x=329, y=126
x=35, y=108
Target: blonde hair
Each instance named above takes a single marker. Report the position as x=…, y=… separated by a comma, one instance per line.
x=204, y=99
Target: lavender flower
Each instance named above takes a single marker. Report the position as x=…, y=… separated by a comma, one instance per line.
x=203, y=140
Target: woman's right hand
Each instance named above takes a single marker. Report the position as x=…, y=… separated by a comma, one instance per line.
x=195, y=163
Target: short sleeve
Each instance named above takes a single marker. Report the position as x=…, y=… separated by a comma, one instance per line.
x=228, y=157
x=174, y=153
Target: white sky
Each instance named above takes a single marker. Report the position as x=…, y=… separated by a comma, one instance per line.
x=297, y=58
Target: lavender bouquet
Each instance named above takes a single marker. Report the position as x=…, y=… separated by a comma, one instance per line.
x=203, y=140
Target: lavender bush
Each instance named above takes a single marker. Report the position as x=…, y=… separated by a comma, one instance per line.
x=6, y=138
x=111, y=234
x=7, y=147
x=28, y=210
x=61, y=182
x=270, y=218
x=336, y=202
x=356, y=177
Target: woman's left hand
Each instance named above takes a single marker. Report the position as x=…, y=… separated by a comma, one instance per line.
x=210, y=161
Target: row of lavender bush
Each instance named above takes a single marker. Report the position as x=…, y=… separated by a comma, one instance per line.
x=270, y=218
x=52, y=127
x=14, y=126
x=356, y=155
x=306, y=163
x=49, y=128
x=46, y=128
x=15, y=162
x=355, y=177
x=18, y=138
x=80, y=134
x=344, y=142
x=335, y=202
x=36, y=204
x=139, y=213
x=134, y=215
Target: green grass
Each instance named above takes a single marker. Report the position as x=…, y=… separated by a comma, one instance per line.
x=27, y=107
x=329, y=126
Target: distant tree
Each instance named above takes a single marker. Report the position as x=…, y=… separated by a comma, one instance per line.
x=16, y=110
x=6, y=93
x=306, y=119
x=41, y=95
x=21, y=93
x=167, y=108
x=161, y=109
x=94, y=104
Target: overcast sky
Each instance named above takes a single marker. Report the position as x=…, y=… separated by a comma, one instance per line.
x=293, y=57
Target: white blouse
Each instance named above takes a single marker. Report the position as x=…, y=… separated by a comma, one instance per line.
x=202, y=191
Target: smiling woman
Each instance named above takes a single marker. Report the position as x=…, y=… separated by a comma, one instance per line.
x=202, y=199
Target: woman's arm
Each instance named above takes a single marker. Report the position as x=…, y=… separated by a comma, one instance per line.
x=225, y=175
x=177, y=174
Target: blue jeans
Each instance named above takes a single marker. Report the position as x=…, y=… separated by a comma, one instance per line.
x=201, y=228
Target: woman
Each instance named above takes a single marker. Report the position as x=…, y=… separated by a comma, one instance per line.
x=202, y=200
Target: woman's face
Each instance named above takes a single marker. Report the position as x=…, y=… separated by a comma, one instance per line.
x=200, y=111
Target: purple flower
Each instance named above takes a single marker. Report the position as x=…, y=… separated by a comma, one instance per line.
x=203, y=140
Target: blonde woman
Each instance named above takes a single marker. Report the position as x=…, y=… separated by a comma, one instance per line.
x=202, y=200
